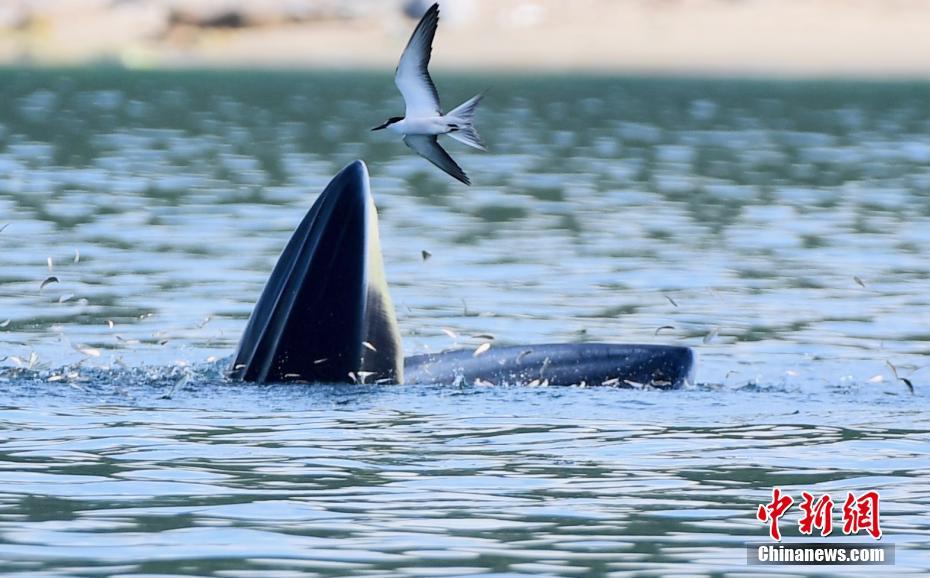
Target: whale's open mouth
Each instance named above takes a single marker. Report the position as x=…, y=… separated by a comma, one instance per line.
x=325, y=316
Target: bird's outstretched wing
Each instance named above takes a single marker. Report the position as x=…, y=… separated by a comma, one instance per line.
x=412, y=76
x=427, y=147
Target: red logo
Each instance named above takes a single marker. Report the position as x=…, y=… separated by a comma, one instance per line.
x=774, y=510
x=858, y=513
x=816, y=515
x=861, y=514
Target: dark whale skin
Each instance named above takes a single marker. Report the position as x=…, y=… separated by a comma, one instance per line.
x=320, y=305
x=617, y=364
x=325, y=316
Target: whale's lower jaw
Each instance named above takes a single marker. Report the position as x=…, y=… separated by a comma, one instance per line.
x=325, y=316
x=622, y=365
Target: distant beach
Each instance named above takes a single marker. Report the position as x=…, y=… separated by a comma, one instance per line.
x=877, y=38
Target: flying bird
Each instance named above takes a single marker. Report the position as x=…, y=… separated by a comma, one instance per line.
x=423, y=120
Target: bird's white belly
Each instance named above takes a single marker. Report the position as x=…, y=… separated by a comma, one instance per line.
x=429, y=125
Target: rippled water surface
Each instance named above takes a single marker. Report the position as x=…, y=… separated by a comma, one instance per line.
x=781, y=229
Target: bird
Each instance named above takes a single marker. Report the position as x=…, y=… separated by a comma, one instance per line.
x=423, y=119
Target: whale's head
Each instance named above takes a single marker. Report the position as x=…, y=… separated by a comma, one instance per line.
x=325, y=314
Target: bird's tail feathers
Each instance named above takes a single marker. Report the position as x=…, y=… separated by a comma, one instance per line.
x=466, y=110
x=463, y=115
x=468, y=135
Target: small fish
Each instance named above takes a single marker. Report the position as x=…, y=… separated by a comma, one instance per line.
x=894, y=370
x=425, y=254
x=369, y=346
x=670, y=300
x=319, y=361
x=481, y=349
x=485, y=336
x=907, y=382
x=664, y=327
x=545, y=365
x=51, y=265
x=450, y=333
x=110, y=323
x=86, y=350
x=859, y=281
x=711, y=335
x=77, y=256
x=48, y=281
x=6, y=323
x=180, y=383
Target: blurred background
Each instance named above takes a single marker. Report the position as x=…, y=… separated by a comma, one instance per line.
x=833, y=37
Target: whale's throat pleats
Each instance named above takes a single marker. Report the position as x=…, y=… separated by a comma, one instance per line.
x=382, y=352
x=325, y=314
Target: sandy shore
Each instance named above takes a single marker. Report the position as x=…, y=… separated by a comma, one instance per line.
x=758, y=37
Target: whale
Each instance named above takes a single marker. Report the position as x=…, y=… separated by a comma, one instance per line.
x=325, y=315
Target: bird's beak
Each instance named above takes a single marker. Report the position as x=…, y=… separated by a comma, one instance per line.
x=379, y=127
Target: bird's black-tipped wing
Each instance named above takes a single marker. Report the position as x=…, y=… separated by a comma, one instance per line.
x=412, y=75
x=427, y=147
